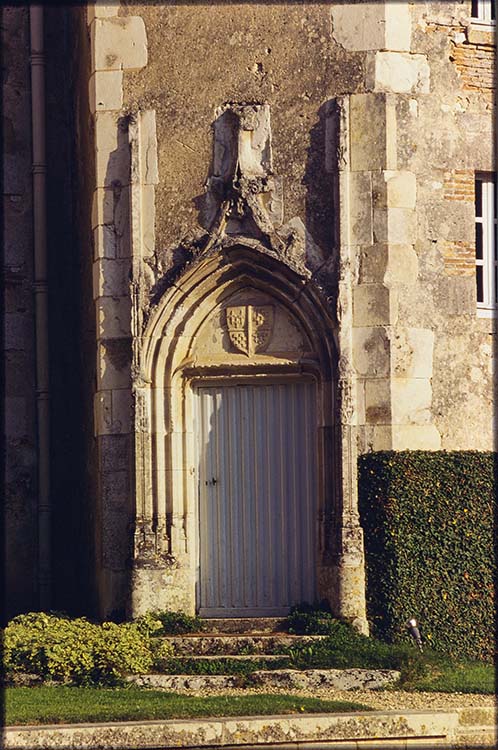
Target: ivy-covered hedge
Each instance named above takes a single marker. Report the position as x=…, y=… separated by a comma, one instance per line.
x=429, y=523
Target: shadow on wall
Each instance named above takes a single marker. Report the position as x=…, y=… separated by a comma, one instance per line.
x=113, y=410
x=320, y=188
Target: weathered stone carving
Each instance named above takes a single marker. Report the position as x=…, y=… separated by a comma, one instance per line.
x=250, y=327
x=243, y=195
x=345, y=389
x=144, y=540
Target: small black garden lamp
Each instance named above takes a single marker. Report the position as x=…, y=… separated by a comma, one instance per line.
x=415, y=633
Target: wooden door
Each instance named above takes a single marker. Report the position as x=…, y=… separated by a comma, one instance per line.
x=257, y=452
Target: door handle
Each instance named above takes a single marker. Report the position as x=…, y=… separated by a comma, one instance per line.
x=211, y=481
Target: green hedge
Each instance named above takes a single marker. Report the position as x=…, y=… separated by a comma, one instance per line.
x=428, y=519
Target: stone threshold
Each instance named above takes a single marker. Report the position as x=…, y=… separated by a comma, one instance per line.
x=371, y=730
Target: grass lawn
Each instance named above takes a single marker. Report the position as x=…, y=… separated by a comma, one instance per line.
x=456, y=677
x=56, y=705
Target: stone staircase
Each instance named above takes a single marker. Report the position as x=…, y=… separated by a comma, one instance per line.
x=252, y=653
x=477, y=727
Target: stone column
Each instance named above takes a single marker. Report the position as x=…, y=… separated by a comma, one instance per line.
x=385, y=365
x=392, y=361
x=150, y=536
x=349, y=596
x=117, y=44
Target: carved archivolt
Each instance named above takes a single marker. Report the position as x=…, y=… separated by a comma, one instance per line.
x=237, y=313
x=247, y=305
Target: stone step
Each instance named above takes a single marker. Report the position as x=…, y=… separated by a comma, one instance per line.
x=477, y=716
x=186, y=681
x=223, y=644
x=242, y=625
x=340, y=679
x=369, y=730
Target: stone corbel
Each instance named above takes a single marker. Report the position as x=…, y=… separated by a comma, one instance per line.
x=144, y=542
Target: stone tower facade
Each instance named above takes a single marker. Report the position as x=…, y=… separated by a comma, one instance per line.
x=265, y=197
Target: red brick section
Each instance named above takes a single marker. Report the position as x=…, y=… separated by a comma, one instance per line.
x=458, y=256
x=474, y=58
x=476, y=65
x=459, y=185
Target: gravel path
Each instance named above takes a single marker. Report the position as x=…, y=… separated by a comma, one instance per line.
x=376, y=699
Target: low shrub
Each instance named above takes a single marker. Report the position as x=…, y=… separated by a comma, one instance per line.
x=307, y=620
x=158, y=623
x=76, y=650
x=221, y=665
x=344, y=647
x=161, y=651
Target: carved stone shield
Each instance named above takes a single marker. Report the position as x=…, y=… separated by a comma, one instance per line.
x=250, y=327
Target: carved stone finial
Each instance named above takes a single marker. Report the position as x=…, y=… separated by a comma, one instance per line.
x=242, y=193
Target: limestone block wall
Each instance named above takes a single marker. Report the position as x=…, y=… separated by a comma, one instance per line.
x=457, y=122
x=386, y=221
x=147, y=216
x=423, y=358
x=392, y=361
x=116, y=45
x=20, y=499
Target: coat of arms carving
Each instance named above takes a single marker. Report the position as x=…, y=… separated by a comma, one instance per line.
x=250, y=327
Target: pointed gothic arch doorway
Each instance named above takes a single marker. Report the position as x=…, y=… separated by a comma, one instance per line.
x=237, y=337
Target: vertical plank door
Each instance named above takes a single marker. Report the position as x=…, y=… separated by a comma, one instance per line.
x=257, y=498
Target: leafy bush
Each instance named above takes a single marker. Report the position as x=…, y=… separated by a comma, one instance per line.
x=161, y=651
x=169, y=623
x=149, y=624
x=428, y=519
x=56, y=647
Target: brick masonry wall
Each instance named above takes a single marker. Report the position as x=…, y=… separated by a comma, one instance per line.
x=475, y=63
x=459, y=256
x=473, y=52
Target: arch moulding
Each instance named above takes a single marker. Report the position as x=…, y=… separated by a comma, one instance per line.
x=188, y=342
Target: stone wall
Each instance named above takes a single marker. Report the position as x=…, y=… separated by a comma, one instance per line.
x=376, y=118
x=20, y=507
x=387, y=218
x=199, y=58
x=424, y=358
x=457, y=140
x=422, y=100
